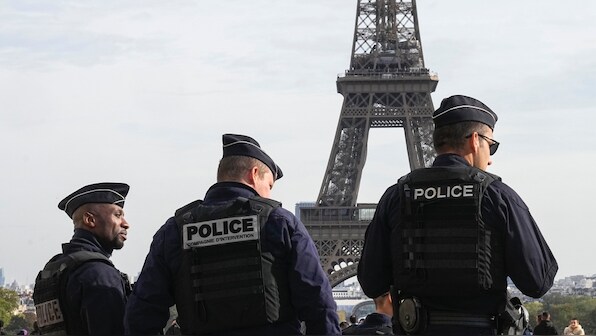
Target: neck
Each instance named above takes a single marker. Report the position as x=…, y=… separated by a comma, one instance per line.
x=468, y=156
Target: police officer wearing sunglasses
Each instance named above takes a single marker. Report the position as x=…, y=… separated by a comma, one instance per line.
x=454, y=233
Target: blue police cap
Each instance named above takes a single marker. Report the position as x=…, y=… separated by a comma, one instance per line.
x=242, y=145
x=460, y=108
x=105, y=192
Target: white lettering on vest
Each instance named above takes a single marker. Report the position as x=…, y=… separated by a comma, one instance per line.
x=454, y=191
x=220, y=231
x=48, y=313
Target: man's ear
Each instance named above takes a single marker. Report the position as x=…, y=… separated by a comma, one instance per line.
x=89, y=219
x=253, y=176
x=474, y=142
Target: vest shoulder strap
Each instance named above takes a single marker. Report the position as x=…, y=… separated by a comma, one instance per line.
x=434, y=174
x=71, y=261
x=263, y=207
x=183, y=215
x=260, y=205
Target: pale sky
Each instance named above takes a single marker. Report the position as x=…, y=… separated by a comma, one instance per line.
x=141, y=91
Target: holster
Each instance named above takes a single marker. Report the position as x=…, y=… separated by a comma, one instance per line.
x=410, y=317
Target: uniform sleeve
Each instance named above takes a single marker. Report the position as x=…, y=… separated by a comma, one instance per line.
x=375, y=268
x=102, y=298
x=310, y=290
x=530, y=262
x=147, y=311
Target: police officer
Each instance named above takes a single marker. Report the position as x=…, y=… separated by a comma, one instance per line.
x=80, y=292
x=454, y=233
x=377, y=322
x=235, y=262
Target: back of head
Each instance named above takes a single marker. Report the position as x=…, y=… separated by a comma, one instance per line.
x=233, y=168
x=457, y=117
x=453, y=137
x=383, y=304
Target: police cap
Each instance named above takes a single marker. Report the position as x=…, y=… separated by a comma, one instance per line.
x=460, y=108
x=105, y=192
x=242, y=145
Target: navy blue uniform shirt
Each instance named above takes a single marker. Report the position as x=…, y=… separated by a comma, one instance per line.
x=528, y=260
x=284, y=235
x=96, y=292
x=373, y=324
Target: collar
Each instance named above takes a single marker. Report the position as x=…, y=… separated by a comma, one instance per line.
x=450, y=160
x=224, y=191
x=377, y=319
x=85, y=240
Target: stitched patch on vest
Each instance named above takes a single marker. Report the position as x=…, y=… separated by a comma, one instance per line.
x=49, y=313
x=220, y=231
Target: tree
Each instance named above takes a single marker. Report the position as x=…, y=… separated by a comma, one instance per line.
x=9, y=301
x=17, y=323
x=565, y=307
x=534, y=308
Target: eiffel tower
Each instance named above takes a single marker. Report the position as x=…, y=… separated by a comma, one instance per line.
x=387, y=85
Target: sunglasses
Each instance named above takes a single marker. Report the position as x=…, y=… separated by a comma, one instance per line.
x=493, y=144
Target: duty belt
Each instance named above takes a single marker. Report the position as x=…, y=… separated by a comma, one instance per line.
x=461, y=319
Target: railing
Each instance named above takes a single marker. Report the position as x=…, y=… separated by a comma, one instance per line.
x=359, y=213
x=389, y=73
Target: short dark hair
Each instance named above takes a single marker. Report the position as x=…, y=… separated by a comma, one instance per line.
x=454, y=135
x=232, y=168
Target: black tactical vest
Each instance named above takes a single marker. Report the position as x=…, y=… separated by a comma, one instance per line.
x=442, y=246
x=225, y=281
x=50, y=288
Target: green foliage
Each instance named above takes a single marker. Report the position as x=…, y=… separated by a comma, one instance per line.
x=17, y=323
x=563, y=308
x=21, y=321
x=9, y=301
x=534, y=308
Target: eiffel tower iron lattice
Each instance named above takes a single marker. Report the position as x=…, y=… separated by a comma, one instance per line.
x=387, y=85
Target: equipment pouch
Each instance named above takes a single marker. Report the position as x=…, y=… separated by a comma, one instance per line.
x=514, y=318
x=412, y=316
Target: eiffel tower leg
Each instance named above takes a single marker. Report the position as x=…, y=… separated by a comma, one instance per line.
x=387, y=85
x=348, y=155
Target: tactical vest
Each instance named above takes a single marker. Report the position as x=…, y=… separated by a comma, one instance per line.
x=442, y=246
x=226, y=281
x=52, y=317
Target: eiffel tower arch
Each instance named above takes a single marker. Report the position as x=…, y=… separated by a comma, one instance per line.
x=387, y=85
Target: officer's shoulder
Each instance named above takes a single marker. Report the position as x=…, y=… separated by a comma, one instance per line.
x=507, y=193
x=96, y=265
x=96, y=272
x=280, y=212
x=351, y=330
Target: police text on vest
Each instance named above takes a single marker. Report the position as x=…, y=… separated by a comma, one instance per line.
x=48, y=313
x=454, y=191
x=220, y=231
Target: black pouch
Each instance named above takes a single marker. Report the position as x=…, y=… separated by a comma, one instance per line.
x=412, y=318
x=514, y=318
